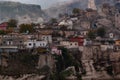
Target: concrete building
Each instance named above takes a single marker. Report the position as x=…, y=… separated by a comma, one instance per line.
x=47, y=38
x=85, y=24
x=35, y=44
x=66, y=23
x=83, y=32
x=12, y=40
x=69, y=44
x=106, y=47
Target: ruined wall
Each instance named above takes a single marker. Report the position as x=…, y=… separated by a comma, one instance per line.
x=46, y=59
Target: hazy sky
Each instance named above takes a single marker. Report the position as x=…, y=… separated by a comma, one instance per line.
x=43, y=3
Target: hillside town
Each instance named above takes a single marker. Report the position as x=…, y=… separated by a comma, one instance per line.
x=84, y=45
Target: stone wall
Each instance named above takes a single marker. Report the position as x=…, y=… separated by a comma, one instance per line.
x=46, y=59
x=23, y=77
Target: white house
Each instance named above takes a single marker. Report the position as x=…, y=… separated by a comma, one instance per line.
x=64, y=43
x=87, y=42
x=67, y=23
x=69, y=44
x=106, y=47
x=84, y=33
x=47, y=38
x=70, y=24
x=74, y=19
x=73, y=45
x=35, y=44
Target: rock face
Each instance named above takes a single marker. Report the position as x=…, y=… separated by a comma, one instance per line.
x=15, y=9
x=46, y=60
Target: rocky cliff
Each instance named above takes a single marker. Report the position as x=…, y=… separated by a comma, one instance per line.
x=15, y=9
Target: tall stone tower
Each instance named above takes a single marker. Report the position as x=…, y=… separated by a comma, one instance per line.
x=117, y=20
x=91, y=4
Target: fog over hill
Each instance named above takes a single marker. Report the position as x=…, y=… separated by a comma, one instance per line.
x=67, y=7
x=16, y=9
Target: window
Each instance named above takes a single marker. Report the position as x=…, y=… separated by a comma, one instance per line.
x=75, y=43
x=33, y=44
x=43, y=37
x=20, y=41
x=118, y=47
x=30, y=44
x=4, y=42
x=47, y=38
x=10, y=43
x=117, y=15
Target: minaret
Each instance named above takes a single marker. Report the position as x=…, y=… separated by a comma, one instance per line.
x=91, y=4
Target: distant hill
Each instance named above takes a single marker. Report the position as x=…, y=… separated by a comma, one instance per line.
x=67, y=7
x=14, y=9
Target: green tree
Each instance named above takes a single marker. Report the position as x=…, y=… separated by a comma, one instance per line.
x=109, y=70
x=53, y=20
x=68, y=58
x=101, y=32
x=12, y=23
x=26, y=28
x=65, y=73
x=91, y=34
x=62, y=62
x=59, y=63
x=60, y=15
x=2, y=32
x=76, y=11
